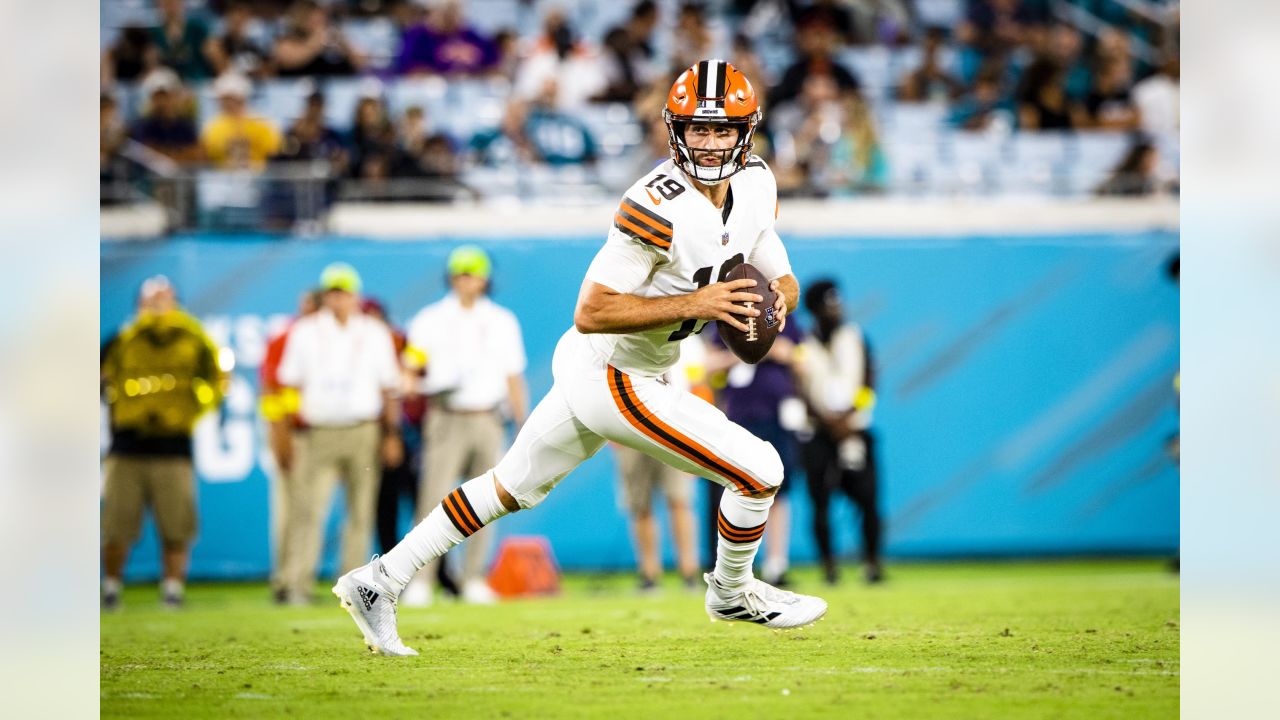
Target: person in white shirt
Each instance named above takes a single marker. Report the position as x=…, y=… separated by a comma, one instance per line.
x=836, y=379
x=473, y=355
x=1157, y=99
x=342, y=368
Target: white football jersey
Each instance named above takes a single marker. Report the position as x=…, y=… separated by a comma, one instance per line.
x=668, y=239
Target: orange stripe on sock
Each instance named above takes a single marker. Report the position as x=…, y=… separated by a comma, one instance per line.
x=461, y=501
x=451, y=508
x=733, y=533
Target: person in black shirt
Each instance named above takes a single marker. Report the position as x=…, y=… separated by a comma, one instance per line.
x=234, y=49
x=310, y=45
x=1042, y=99
x=164, y=128
x=816, y=44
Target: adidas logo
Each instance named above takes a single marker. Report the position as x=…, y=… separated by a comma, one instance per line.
x=367, y=596
x=741, y=613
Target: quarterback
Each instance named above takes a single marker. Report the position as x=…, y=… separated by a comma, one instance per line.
x=659, y=277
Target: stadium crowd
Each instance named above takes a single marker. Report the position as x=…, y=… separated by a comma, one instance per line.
x=389, y=99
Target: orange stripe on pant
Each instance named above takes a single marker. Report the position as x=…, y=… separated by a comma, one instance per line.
x=668, y=437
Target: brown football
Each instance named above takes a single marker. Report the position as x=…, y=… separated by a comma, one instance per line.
x=751, y=346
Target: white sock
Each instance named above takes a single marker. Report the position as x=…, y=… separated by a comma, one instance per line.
x=171, y=587
x=112, y=586
x=463, y=512
x=741, y=526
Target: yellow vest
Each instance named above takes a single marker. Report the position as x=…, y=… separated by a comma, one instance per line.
x=160, y=374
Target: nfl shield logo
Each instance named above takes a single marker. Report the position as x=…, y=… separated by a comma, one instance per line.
x=724, y=239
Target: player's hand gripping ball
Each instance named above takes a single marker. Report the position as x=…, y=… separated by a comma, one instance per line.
x=751, y=346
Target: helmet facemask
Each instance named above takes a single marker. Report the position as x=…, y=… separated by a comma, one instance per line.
x=733, y=159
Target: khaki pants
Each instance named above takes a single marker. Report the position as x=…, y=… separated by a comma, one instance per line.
x=458, y=446
x=166, y=484
x=279, y=491
x=322, y=455
x=642, y=475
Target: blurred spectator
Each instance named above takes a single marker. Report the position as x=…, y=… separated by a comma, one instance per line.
x=1065, y=47
x=1042, y=99
x=748, y=62
x=131, y=57
x=1136, y=174
x=996, y=27
x=1156, y=98
x=561, y=73
x=691, y=42
x=930, y=81
x=833, y=15
x=1109, y=103
x=182, y=41
x=815, y=44
x=279, y=409
x=310, y=45
x=508, y=43
x=474, y=359
x=857, y=163
x=535, y=133
x=163, y=126
x=343, y=366
x=444, y=45
x=111, y=136
x=756, y=397
x=235, y=138
x=311, y=138
x=159, y=376
x=234, y=50
x=837, y=384
x=376, y=156
x=628, y=54
x=640, y=476
x=976, y=109
x=622, y=77
x=827, y=143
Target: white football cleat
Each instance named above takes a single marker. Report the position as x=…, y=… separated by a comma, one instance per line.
x=761, y=603
x=373, y=609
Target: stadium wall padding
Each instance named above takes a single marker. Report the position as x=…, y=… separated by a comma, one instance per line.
x=1026, y=385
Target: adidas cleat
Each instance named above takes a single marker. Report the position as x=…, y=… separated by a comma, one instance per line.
x=761, y=603
x=373, y=609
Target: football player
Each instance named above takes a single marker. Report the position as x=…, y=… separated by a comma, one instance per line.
x=659, y=277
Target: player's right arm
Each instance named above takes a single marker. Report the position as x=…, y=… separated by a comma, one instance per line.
x=602, y=309
x=639, y=241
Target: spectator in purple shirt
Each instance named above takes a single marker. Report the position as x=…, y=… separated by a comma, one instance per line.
x=754, y=396
x=444, y=45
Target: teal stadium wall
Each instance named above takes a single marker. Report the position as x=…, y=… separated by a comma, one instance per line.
x=1026, y=384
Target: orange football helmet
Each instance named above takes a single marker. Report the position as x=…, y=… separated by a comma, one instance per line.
x=712, y=92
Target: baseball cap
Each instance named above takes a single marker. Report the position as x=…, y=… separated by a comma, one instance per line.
x=469, y=260
x=160, y=79
x=233, y=85
x=340, y=276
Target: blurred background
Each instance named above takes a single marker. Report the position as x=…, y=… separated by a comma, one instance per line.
x=992, y=184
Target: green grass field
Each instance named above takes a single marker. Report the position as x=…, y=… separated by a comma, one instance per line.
x=1080, y=639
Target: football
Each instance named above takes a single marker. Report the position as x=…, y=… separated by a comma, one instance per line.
x=752, y=345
